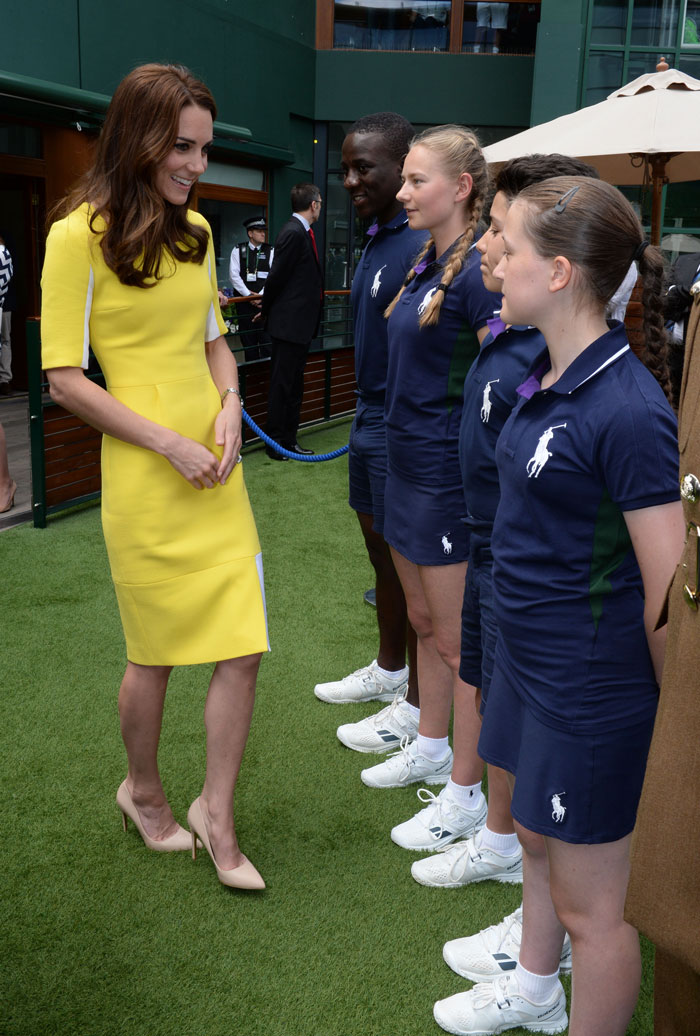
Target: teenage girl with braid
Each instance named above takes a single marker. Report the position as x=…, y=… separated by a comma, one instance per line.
x=587, y=535
x=436, y=323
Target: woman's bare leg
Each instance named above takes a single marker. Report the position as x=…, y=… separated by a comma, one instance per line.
x=434, y=676
x=141, y=700
x=391, y=605
x=227, y=716
x=7, y=486
x=543, y=934
x=443, y=589
x=499, y=818
x=588, y=886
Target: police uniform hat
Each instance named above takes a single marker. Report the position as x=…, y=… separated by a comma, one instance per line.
x=255, y=223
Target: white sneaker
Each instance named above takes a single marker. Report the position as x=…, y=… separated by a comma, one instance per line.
x=466, y=863
x=439, y=823
x=407, y=767
x=494, y=952
x=493, y=1007
x=382, y=731
x=363, y=685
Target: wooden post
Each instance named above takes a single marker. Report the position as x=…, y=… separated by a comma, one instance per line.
x=658, y=179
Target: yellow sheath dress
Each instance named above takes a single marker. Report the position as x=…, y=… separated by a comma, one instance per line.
x=186, y=563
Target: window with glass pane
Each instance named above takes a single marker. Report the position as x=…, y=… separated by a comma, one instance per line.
x=392, y=25
x=691, y=25
x=609, y=21
x=640, y=63
x=337, y=216
x=690, y=64
x=682, y=207
x=604, y=75
x=226, y=221
x=500, y=28
x=20, y=140
x=655, y=23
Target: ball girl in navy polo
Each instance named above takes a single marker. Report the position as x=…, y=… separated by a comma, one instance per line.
x=489, y=396
x=587, y=535
x=436, y=323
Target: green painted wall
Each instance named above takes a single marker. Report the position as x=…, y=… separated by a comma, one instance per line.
x=429, y=88
x=559, y=60
x=285, y=177
x=257, y=58
x=41, y=40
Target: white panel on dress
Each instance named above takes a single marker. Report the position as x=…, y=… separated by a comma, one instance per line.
x=86, y=322
x=259, y=563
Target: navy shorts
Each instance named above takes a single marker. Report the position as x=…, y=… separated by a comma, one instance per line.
x=479, y=629
x=367, y=464
x=424, y=522
x=577, y=787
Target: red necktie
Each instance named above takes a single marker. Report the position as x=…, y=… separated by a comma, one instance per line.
x=313, y=244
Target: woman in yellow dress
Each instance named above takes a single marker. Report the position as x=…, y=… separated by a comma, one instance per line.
x=130, y=271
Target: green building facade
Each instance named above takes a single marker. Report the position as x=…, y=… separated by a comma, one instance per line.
x=289, y=76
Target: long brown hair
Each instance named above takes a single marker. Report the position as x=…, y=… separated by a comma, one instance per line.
x=593, y=225
x=139, y=131
x=458, y=151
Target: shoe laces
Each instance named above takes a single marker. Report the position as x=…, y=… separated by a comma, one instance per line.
x=385, y=714
x=408, y=759
x=364, y=673
x=442, y=808
x=456, y=853
x=513, y=923
x=487, y=993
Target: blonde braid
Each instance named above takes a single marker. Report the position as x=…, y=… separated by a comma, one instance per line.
x=459, y=152
x=409, y=277
x=431, y=314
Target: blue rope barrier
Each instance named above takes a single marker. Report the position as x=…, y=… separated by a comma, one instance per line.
x=288, y=453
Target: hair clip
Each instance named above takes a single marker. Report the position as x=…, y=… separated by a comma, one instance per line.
x=566, y=198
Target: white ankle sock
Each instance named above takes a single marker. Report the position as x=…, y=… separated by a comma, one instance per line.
x=506, y=845
x=434, y=748
x=388, y=673
x=537, y=988
x=413, y=711
x=468, y=796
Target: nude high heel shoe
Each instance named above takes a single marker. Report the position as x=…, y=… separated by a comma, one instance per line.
x=244, y=876
x=179, y=841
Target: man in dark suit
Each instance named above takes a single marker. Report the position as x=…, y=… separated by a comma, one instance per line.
x=291, y=310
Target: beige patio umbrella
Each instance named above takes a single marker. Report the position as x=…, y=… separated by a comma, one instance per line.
x=645, y=132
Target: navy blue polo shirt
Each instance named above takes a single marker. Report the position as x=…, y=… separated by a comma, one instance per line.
x=387, y=258
x=427, y=368
x=490, y=393
x=568, y=591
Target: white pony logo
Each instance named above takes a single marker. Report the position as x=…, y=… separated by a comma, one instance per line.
x=374, y=290
x=558, y=811
x=426, y=301
x=541, y=454
x=446, y=545
x=486, y=404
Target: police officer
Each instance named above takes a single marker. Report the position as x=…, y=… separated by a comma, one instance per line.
x=250, y=264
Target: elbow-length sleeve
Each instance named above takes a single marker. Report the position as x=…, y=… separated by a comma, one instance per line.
x=67, y=284
x=215, y=322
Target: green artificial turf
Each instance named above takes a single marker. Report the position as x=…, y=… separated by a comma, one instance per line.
x=102, y=936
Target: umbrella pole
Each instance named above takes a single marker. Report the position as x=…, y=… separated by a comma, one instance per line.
x=658, y=174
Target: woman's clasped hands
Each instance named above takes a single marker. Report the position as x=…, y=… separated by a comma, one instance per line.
x=202, y=468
